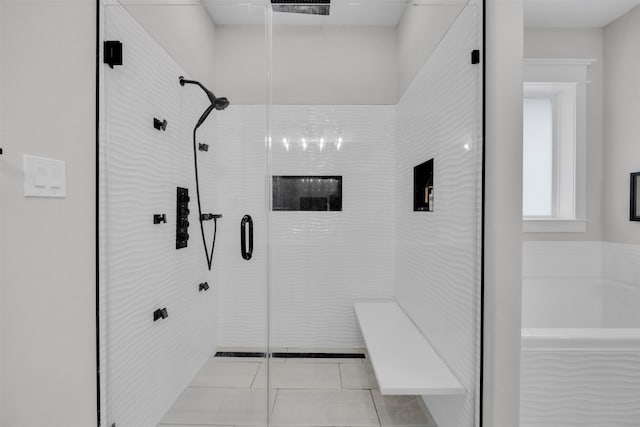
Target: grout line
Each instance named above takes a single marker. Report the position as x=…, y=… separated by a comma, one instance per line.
x=275, y=400
x=375, y=407
x=255, y=376
x=340, y=373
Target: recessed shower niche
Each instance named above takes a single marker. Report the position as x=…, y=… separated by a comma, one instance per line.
x=307, y=193
x=423, y=187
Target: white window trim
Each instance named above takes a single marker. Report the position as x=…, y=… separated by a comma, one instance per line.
x=543, y=73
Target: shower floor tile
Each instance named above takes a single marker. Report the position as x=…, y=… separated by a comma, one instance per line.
x=230, y=374
x=358, y=376
x=219, y=406
x=230, y=392
x=301, y=376
x=324, y=408
x=401, y=411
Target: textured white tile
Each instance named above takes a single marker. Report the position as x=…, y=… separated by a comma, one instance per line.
x=324, y=408
x=587, y=387
x=438, y=253
x=321, y=261
x=301, y=376
x=219, y=406
x=357, y=376
x=148, y=363
x=401, y=411
x=226, y=374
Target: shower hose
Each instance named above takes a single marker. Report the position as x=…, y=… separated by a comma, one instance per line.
x=208, y=256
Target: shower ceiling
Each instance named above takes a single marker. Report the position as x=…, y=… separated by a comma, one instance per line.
x=308, y=7
x=343, y=12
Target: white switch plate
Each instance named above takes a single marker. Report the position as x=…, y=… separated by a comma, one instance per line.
x=44, y=177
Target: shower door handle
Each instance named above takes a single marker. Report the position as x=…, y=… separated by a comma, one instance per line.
x=247, y=221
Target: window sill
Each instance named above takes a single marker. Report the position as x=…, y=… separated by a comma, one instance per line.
x=554, y=225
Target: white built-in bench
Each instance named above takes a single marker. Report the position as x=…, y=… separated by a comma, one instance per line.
x=403, y=360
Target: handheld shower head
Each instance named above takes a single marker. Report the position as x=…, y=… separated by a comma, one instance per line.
x=216, y=103
x=221, y=103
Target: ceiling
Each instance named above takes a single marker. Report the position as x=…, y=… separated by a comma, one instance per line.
x=343, y=12
x=574, y=13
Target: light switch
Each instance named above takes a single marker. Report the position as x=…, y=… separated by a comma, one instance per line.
x=44, y=177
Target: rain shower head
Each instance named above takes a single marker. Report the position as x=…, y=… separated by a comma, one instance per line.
x=216, y=103
x=308, y=7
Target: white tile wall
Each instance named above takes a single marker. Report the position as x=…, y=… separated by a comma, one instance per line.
x=580, y=376
x=438, y=255
x=238, y=154
x=580, y=284
x=589, y=386
x=571, y=259
x=562, y=284
x=321, y=262
x=621, y=271
x=148, y=363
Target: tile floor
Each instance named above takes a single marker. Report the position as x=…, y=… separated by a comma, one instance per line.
x=306, y=392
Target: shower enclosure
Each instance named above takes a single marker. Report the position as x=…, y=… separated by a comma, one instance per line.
x=344, y=167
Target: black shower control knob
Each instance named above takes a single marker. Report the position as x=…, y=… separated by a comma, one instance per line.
x=184, y=198
x=184, y=223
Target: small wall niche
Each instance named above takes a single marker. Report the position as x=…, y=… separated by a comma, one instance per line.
x=307, y=193
x=423, y=187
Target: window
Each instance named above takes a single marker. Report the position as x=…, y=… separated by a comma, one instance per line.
x=554, y=145
x=537, y=173
x=549, y=154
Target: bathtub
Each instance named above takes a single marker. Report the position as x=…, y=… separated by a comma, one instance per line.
x=572, y=375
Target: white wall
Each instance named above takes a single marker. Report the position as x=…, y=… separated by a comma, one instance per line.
x=420, y=29
x=581, y=44
x=238, y=161
x=438, y=255
x=321, y=262
x=48, y=266
x=580, y=284
x=503, y=212
x=562, y=284
x=621, y=274
x=150, y=363
x=310, y=65
x=186, y=32
x=621, y=109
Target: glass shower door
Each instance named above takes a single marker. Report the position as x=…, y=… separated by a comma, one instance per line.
x=376, y=189
x=183, y=309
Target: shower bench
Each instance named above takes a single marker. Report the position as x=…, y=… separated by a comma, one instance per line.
x=403, y=360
